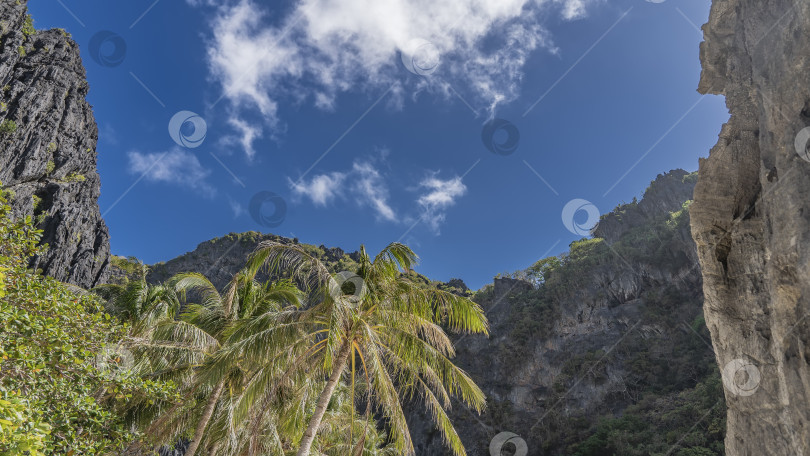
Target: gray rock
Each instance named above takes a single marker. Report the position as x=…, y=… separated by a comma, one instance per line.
x=751, y=221
x=664, y=195
x=49, y=160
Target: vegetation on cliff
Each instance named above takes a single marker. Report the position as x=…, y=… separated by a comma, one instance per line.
x=654, y=387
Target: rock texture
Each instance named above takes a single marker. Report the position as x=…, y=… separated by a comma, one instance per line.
x=593, y=340
x=751, y=221
x=220, y=258
x=47, y=146
x=665, y=194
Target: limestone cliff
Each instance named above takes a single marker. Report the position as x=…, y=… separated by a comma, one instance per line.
x=48, y=146
x=751, y=221
x=607, y=353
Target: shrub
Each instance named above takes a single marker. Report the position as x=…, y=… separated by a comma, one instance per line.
x=64, y=401
x=7, y=127
x=75, y=177
x=28, y=26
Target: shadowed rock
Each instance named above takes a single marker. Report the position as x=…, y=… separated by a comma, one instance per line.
x=48, y=147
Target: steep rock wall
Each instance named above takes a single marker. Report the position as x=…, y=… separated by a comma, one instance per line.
x=48, y=146
x=751, y=221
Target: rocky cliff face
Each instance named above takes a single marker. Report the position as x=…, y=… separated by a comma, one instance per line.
x=47, y=146
x=666, y=194
x=751, y=221
x=219, y=259
x=613, y=331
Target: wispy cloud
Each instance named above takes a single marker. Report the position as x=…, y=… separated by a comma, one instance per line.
x=247, y=133
x=322, y=48
x=363, y=183
x=321, y=189
x=176, y=167
x=236, y=207
x=367, y=186
x=437, y=196
x=370, y=189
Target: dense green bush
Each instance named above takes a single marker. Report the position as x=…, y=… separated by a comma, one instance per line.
x=61, y=393
x=7, y=127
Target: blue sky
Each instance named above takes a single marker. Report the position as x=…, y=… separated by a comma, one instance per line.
x=368, y=120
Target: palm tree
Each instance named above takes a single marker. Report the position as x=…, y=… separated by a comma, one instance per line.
x=204, y=327
x=377, y=318
x=137, y=302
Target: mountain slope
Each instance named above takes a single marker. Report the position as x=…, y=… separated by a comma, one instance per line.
x=606, y=353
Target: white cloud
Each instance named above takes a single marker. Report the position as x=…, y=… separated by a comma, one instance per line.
x=437, y=197
x=176, y=166
x=573, y=9
x=236, y=207
x=370, y=189
x=324, y=47
x=363, y=183
x=321, y=189
x=367, y=186
x=247, y=134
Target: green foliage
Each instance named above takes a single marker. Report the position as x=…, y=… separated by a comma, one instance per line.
x=50, y=166
x=23, y=429
x=36, y=201
x=50, y=340
x=690, y=178
x=75, y=177
x=21, y=51
x=28, y=26
x=131, y=266
x=542, y=269
x=7, y=127
x=692, y=424
x=51, y=148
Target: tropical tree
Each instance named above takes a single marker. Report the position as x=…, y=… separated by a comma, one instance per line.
x=185, y=344
x=140, y=303
x=377, y=318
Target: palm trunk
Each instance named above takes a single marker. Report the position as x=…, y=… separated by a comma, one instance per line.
x=323, y=401
x=205, y=418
